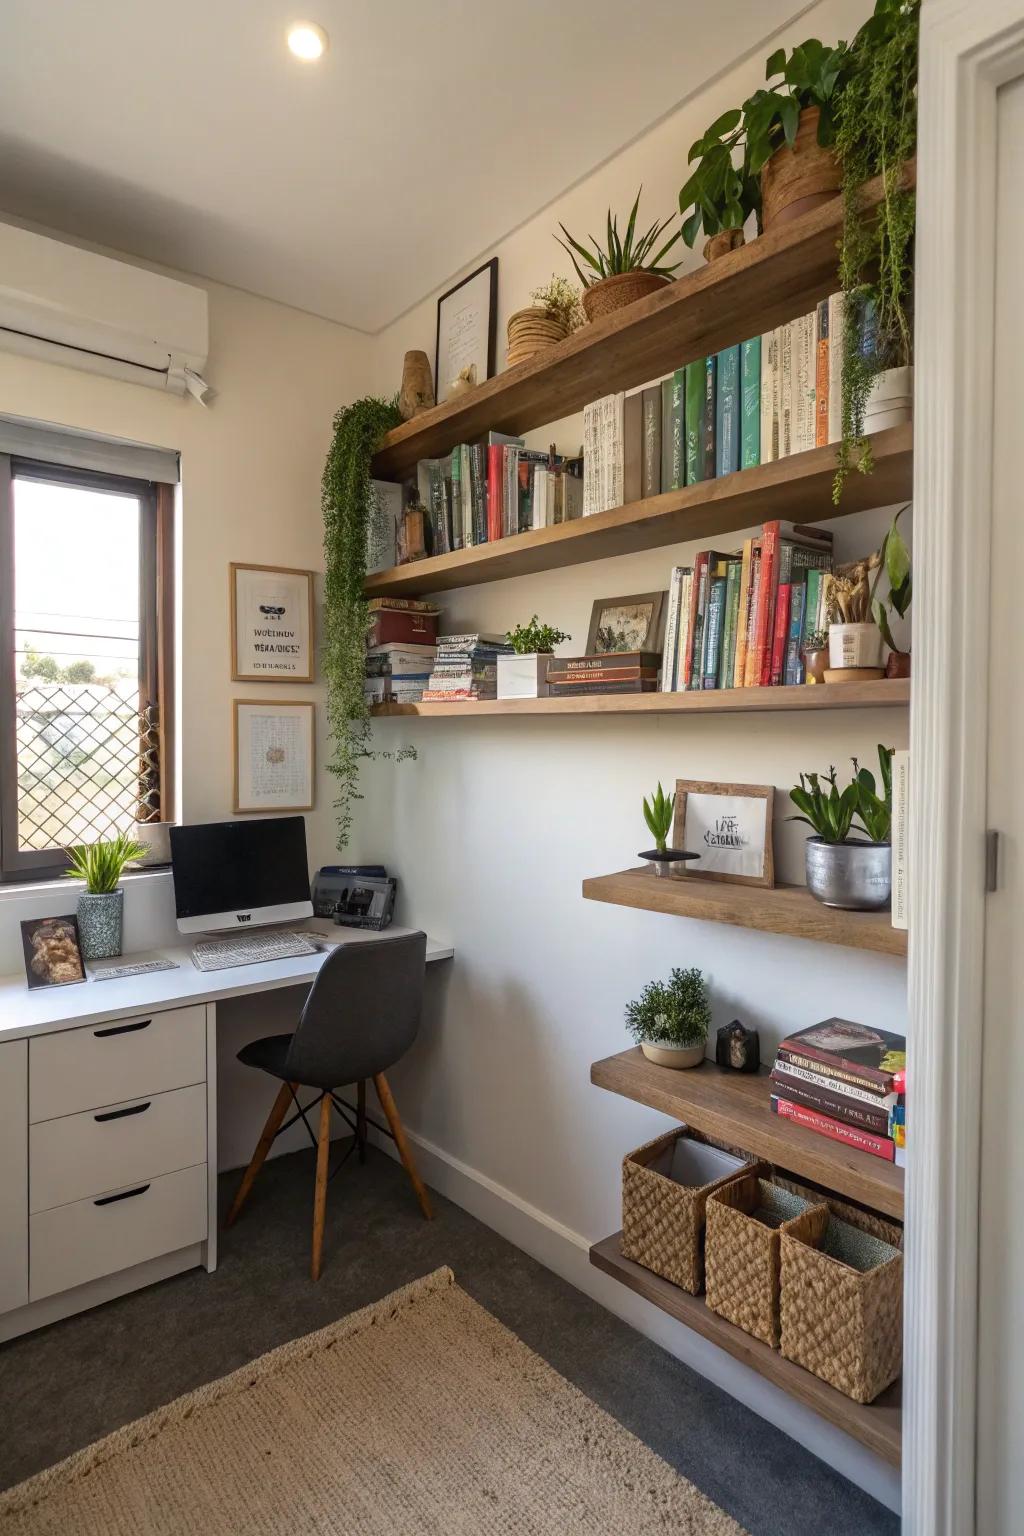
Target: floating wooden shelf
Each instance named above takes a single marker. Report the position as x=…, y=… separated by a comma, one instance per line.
x=788, y=909
x=719, y=701
x=876, y=1425
x=777, y=276
x=798, y=488
x=734, y=1107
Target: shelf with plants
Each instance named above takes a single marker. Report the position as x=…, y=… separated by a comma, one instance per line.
x=798, y=488
x=886, y=694
x=876, y=1425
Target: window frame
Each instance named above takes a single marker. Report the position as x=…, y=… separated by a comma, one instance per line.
x=156, y=641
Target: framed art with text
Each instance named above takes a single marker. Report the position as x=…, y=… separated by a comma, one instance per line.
x=467, y=320
x=271, y=624
x=730, y=827
x=274, y=753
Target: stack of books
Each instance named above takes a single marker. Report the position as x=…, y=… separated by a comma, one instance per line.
x=847, y=1082
x=397, y=673
x=613, y=672
x=493, y=489
x=740, y=618
x=466, y=667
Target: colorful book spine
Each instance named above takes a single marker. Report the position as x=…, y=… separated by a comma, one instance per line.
x=846, y=1110
x=849, y=1135
x=802, y=365
x=769, y=432
x=693, y=415
x=732, y=604
x=494, y=486
x=836, y=312
x=667, y=387
x=651, y=485
x=458, y=524
x=864, y=1080
x=708, y=417
x=750, y=403
x=683, y=642
x=785, y=387
x=750, y=675
x=794, y=669
x=715, y=623
x=812, y=607
x=767, y=585
x=678, y=446
x=699, y=609
x=728, y=407
x=743, y=615
x=821, y=378
x=668, y=661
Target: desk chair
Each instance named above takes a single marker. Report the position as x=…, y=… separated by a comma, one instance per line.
x=361, y=1015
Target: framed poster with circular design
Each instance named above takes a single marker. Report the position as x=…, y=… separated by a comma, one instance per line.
x=274, y=755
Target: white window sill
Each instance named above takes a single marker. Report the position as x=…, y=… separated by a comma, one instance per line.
x=19, y=890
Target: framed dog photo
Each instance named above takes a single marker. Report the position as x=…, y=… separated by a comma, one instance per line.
x=271, y=624
x=626, y=624
x=730, y=827
x=53, y=951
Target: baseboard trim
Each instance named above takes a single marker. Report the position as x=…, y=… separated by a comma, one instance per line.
x=567, y=1253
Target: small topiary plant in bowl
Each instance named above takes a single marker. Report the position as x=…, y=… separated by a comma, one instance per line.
x=670, y=1019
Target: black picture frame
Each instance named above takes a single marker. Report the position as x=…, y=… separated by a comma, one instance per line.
x=492, y=322
x=38, y=970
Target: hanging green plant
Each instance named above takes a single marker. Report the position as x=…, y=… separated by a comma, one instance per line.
x=876, y=133
x=346, y=496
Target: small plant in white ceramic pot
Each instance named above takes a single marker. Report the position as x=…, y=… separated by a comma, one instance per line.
x=670, y=1019
x=101, y=905
x=524, y=675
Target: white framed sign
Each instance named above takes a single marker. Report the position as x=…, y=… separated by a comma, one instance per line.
x=467, y=318
x=730, y=827
x=274, y=755
x=271, y=624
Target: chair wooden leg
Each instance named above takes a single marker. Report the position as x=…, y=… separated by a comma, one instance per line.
x=263, y=1146
x=323, y=1150
x=361, y=1118
x=387, y=1104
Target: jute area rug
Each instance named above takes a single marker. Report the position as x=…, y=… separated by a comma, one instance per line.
x=418, y=1416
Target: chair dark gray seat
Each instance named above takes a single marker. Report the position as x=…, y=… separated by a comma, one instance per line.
x=361, y=1016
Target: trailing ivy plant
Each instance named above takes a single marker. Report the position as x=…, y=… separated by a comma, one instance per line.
x=876, y=133
x=346, y=497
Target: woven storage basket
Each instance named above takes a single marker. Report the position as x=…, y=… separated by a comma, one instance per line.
x=662, y=1220
x=841, y=1303
x=611, y=293
x=745, y=1222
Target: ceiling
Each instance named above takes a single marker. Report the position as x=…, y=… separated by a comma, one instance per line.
x=186, y=134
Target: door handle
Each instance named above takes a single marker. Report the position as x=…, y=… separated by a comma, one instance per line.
x=119, y=1114
x=122, y=1029
x=126, y=1194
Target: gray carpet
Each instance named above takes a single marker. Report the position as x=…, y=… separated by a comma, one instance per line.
x=68, y=1384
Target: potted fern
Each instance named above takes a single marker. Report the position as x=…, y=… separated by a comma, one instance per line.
x=847, y=866
x=625, y=268
x=670, y=1019
x=101, y=904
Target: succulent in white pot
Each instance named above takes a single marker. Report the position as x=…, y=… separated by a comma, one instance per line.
x=101, y=904
x=670, y=1019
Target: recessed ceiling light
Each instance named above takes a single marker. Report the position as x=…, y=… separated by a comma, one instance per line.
x=307, y=41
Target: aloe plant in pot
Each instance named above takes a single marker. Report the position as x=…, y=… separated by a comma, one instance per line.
x=658, y=814
x=845, y=868
x=670, y=1019
x=626, y=268
x=101, y=904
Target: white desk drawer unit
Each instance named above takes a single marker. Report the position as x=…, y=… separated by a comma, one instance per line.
x=75, y=1243
x=105, y=1149
x=105, y=1064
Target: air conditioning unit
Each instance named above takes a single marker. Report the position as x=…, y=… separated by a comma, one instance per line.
x=87, y=311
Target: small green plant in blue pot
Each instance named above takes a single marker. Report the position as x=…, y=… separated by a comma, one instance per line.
x=101, y=904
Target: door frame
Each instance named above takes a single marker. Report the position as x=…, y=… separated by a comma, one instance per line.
x=969, y=48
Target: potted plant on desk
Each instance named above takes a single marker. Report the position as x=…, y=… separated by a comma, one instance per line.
x=101, y=904
x=525, y=674
x=670, y=1019
x=845, y=870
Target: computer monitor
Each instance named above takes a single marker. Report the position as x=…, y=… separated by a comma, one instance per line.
x=240, y=874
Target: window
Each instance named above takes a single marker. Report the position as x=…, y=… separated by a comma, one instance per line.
x=86, y=562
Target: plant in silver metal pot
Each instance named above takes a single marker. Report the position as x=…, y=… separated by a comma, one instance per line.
x=844, y=868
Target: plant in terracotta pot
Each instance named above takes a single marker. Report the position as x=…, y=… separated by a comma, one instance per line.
x=670, y=1019
x=524, y=674
x=624, y=268
x=845, y=869
x=101, y=904
x=894, y=560
x=658, y=814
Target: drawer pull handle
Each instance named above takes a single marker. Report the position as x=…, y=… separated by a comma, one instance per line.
x=122, y=1029
x=119, y=1114
x=126, y=1194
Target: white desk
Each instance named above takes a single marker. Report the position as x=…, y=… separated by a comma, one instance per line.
x=95, y=1112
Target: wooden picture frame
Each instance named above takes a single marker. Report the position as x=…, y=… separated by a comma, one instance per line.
x=259, y=782
x=739, y=835
x=287, y=616
x=479, y=330
x=653, y=637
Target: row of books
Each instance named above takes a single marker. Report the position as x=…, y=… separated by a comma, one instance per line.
x=490, y=490
x=847, y=1082
x=741, y=618
x=466, y=667
x=766, y=398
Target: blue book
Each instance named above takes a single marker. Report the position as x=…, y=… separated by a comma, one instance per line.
x=750, y=403
x=727, y=412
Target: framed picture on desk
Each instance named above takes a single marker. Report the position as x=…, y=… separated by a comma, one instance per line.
x=274, y=750
x=53, y=951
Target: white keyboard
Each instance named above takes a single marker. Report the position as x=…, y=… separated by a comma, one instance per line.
x=250, y=949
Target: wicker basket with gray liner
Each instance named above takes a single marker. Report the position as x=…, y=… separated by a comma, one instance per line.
x=665, y=1187
x=745, y=1222
x=841, y=1301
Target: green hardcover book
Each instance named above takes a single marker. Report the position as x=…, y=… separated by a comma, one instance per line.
x=694, y=419
x=727, y=412
x=732, y=610
x=750, y=403
x=667, y=386
x=708, y=417
x=678, y=431
x=811, y=606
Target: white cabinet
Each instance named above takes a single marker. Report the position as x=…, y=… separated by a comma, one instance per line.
x=13, y=1174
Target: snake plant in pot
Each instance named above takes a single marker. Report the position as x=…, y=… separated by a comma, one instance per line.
x=848, y=866
x=101, y=904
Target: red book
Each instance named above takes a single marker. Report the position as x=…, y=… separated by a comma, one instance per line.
x=849, y=1135
x=494, y=483
x=780, y=639
x=765, y=619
